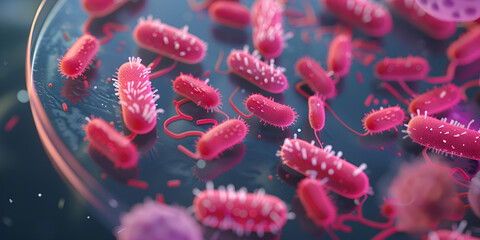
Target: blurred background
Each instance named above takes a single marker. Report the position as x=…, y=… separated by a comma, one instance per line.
x=35, y=203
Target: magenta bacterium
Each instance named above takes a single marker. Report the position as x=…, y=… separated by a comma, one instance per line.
x=435, y=101
x=465, y=49
x=79, y=56
x=198, y=91
x=101, y=8
x=383, y=119
x=315, y=77
x=417, y=17
x=339, y=59
x=265, y=76
x=136, y=96
x=267, y=23
x=317, y=204
x=169, y=41
x=448, y=137
x=218, y=139
x=368, y=16
x=376, y=121
x=116, y=147
x=229, y=13
x=344, y=178
x=409, y=68
x=316, y=114
x=267, y=110
x=240, y=211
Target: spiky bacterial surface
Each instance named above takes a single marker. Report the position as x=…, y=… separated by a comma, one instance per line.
x=165, y=162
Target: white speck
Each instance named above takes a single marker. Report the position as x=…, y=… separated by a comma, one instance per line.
x=39, y=194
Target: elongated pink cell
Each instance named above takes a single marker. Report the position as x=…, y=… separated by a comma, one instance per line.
x=452, y=137
x=116, y=147
x=316, y=112
x=266, y=76
x=316, y=77
x=269, y=111
x=79, y=56
x=240, y=211
x=221, y=137
x=198, y=91
x=136, y=96
x=231, y=14
x=368, y=16
x=344, y=178
x=169, y=41
x=268, y=27
x=436, y=100
x=384, y=119
x=100, y=8
x=465, y=49
x=402, y=68
x=317, y=204
x=417, y=17
x=339, y=57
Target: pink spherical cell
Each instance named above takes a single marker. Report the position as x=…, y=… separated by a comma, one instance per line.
x=316, y=113
x=448, y=137
x=231, y=14
x=155, y=221
x=409, y=68
x=240, y=211
x=169, y=41
x=269, y=111
x=435, y=101
x=100, y=8
x=79, y=56
x=221, y=137
x=198, y=91
x=424, y=195
x=116, y=147
x=317, y=204
x=370, y=17
x=417, y=17
x=383, y=119
x=265, y=76
x=268, y=27
x=465, y=49
x=339, y=59
x=452, y=10
x=474, y=194
x=316, y=77
x=136, y=96
x=344, y=178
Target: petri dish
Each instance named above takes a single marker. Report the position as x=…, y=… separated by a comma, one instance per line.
x=59, y=23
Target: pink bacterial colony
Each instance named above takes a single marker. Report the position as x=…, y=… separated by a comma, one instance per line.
x=420, y=198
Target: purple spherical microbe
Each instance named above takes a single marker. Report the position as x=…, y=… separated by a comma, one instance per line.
x=474, y=194
x=155, y=221
x=452, y=10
